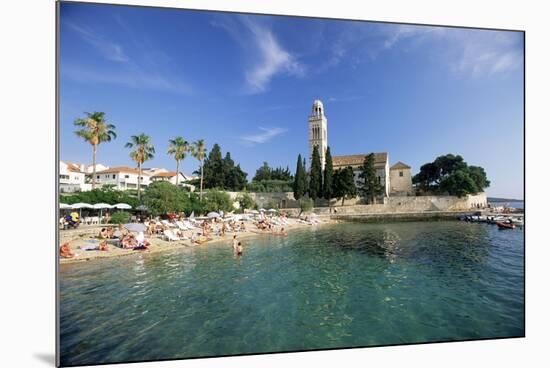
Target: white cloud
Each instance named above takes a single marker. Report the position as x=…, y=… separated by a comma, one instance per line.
x=269, y=57
x=485, y=53
x=108, y=49
x=265, y=135
x=132, y=79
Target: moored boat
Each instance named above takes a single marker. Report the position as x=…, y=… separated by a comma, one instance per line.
x=505, y=225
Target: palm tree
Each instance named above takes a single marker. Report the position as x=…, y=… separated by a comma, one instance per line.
x=94, y=131
x=178, y=148
x=144, y=151
x=198, y=150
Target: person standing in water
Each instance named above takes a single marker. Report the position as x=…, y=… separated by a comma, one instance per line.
x=240, y=249
x=235, y=243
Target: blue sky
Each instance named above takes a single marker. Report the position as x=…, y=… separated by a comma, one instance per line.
x=247, y=82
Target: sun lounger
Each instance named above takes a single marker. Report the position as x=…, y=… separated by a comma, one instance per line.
x=170, y=236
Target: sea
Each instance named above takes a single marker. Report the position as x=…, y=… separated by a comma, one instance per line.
x=333, y=286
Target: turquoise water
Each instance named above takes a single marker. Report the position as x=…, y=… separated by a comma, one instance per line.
x=334, y=286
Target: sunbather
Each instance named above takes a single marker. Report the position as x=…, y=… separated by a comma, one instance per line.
x=65, y=251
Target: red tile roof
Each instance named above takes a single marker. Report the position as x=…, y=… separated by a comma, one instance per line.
x=380, y=160
x=120, y=169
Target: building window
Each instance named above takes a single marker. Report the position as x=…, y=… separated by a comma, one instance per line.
x=126, y=176
x=63, y=176
x=401, y=173
x=98, y=176
x=114, y=176
x=379, y=180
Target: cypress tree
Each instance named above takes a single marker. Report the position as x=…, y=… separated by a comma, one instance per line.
x=369, y=187
x=315, y=175
x=328, y=177
x=299, y=179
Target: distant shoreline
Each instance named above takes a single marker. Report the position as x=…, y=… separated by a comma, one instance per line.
x=499, y=200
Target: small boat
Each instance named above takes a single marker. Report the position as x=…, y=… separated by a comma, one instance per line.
x=505, y=225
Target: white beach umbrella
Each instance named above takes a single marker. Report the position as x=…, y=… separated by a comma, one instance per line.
x=80, y=206
x=64, y=206
x=101, y=207
x=254, y=212
x=213, y=215
x=262, y=209
x=122, y=206
x=272, y=210
x=192, y=215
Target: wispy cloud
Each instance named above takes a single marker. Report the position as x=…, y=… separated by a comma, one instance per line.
x=265, y=135
x=345, y=98
x=268, y=57
x=108, y=49
x=131, y=79
x=465, y=52
x=486, y=53
x=150, y=69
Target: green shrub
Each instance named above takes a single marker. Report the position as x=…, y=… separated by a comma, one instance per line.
x=215, y=200
x=306, y=204
x=246, y=201
x=120, y=217
x=163, y=197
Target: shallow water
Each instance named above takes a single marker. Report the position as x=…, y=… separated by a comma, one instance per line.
x=335, y=286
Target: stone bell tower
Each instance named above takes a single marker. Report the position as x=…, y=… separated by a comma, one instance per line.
x=318, y=131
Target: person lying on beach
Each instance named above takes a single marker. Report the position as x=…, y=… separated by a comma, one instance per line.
x=65, y=251
x=103, y=234
x=129, y=241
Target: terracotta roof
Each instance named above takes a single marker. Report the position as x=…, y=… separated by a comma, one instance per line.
x=119, y=169
x=72, y=167
x=380, y=159
x=168, y=174
x=399, y=165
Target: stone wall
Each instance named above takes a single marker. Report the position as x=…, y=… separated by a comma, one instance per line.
x=394, y=204
x=411, y=205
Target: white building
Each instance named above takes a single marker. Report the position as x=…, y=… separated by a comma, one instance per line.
x=122, y=178
x=381, y=165
x=71, y=178
x=318, y=131
x=171, y=177
x=318, y=137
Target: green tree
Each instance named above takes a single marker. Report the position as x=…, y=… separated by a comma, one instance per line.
x=95, y=130
x=315, y=175
x=459, y=183
x=198, y=150
x=178, y=148
x=369, y=186
x=144, y=151
x=451, y=174
x=306, y=205
x=213, y=169
x=299, y=185
x=328, y=177
x=246, y=201
x=263, y=173
x=162, y=197
x=479, y=176
x=120, y=217
x=217, y=201
x=344, y=184
x=234, y=176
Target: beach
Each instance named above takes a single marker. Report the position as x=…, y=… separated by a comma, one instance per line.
x=89, y=236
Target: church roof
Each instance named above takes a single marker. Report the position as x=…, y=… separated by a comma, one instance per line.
x=380, y=159
x=399, y=165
